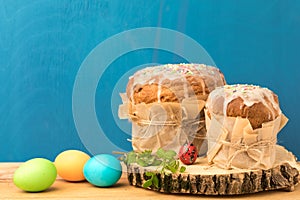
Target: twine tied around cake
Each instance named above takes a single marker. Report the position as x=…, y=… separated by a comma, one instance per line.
x=152, y=121
x=257, y=147
x=186, y=126
x=165, y=124
x=232, y=143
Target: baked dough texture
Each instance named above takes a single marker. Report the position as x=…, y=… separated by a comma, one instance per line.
x=257, y=104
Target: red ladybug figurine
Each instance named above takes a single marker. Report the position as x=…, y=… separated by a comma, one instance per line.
x=188, y=153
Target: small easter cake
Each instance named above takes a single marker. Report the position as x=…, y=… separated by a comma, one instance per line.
x=243, y=122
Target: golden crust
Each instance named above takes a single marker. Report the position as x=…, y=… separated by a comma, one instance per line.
x=174, y=90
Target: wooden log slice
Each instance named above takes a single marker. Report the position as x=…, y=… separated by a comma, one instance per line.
x=201, y=178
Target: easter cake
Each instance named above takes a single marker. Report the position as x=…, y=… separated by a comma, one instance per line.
x=243, y=122
x=165, y=104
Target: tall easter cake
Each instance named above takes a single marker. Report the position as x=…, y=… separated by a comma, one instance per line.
x=165, y=104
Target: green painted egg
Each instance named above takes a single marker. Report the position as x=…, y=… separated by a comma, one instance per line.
x=35, y=175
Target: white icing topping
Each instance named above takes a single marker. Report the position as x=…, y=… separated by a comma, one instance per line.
x=250, y=94
x=158, y=74
x=185, y=89
x=159, y=90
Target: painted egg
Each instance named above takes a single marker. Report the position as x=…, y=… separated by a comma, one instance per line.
x=188, y=153
x=35, y=175
x=102, y=170
x=69, y=165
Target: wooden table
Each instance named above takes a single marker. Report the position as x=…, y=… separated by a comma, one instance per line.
x=122, y=190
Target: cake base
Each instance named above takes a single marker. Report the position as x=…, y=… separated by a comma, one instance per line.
x=204, y=179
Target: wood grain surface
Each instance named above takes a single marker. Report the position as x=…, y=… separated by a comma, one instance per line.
x=122, y=190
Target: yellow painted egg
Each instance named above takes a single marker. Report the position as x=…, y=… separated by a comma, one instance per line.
x=70, y=163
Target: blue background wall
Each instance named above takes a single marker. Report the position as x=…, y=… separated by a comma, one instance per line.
x=43, y=43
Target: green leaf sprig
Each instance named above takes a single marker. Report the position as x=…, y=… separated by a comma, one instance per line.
x=164, y=160
x=152, y=181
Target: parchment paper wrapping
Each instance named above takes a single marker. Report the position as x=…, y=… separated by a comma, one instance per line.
x=232, y=143
x=165, y=125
